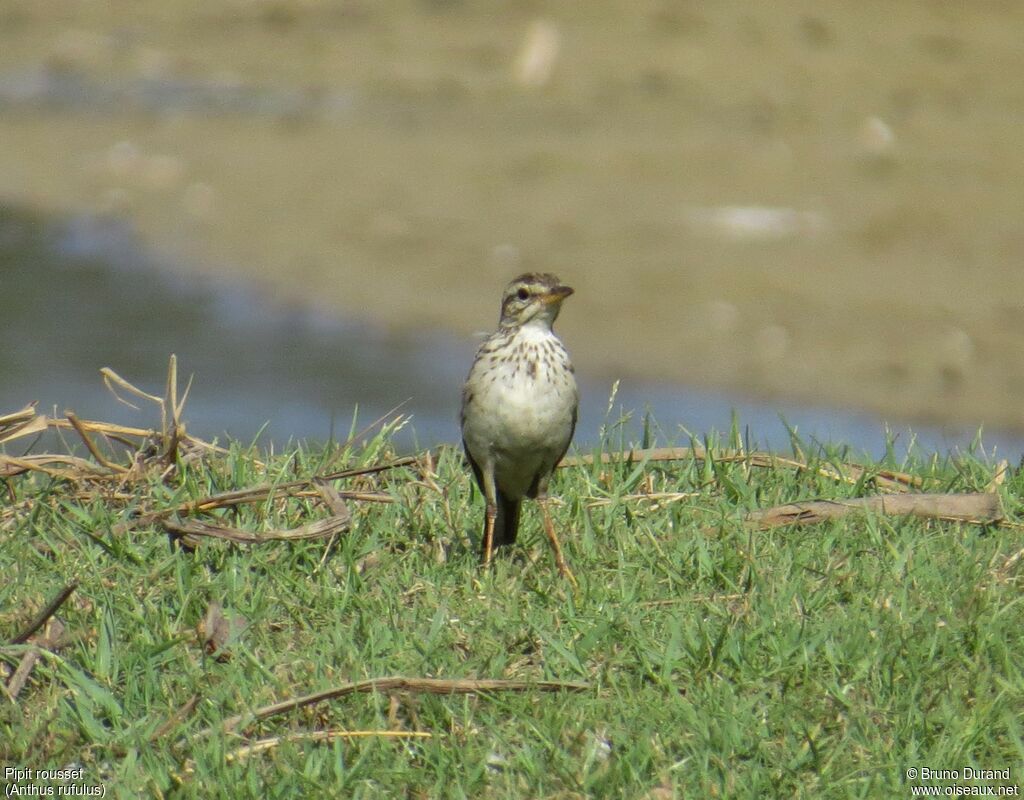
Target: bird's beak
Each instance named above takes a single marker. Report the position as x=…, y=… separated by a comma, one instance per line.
x=557, y=295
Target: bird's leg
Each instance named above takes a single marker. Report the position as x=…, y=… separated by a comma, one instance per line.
x=491, y=496
x=549, y=528
x=485, y=555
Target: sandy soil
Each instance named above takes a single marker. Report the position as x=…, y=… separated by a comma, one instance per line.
x=784, y=199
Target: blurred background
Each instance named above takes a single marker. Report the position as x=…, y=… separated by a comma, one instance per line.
x=797, y=209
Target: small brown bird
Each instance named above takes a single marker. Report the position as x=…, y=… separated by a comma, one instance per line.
x=519, y=408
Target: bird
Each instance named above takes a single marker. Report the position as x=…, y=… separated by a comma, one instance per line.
x=519, y=409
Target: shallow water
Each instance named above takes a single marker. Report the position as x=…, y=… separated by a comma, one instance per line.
x=80, y=294
x=807, y=202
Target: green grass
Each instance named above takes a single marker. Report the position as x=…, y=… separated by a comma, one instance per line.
x=817, y=661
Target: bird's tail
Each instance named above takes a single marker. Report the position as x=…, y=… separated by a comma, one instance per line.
x=506, y=523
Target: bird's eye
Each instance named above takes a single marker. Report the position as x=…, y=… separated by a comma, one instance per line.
x=522, y=294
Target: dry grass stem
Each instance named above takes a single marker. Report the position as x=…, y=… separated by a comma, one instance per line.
x=848, y=473
x=154, y=454
x=176, y=718
x=999, y=478
x=79, y=468
x=658, y=498
x=981, y=508
x=333, y=499
x=93, y=449
x=25, y=422
x=262, y=745
x=51, y=639
x=320, y=529
x=50, y=609
x=420, y=685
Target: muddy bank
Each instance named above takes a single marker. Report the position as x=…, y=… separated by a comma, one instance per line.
x=789, y=201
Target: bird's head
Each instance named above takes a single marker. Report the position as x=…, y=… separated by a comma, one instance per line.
x=533, y=296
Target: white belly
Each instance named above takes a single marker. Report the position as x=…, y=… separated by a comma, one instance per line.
x=520, y=416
